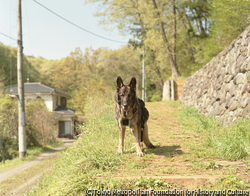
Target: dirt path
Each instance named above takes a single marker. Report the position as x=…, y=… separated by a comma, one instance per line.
x=173, y=160
x=180, y=161
x=21, y=178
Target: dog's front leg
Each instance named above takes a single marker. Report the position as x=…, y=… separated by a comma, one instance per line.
x=121, y=139
x=138, y=141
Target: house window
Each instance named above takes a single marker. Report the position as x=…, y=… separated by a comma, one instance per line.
x=63, y=101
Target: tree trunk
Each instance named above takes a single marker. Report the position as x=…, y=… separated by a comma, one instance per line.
x=172, y=60
x=174, y=31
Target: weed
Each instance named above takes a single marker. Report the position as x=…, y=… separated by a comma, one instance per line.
x=169, y=170
x=212, y=165
x=151, y=183
x=228, y=182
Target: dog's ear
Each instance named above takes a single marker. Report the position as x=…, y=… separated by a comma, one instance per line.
x=119, y=83
x=132, y=83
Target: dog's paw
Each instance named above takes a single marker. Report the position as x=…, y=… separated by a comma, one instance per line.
x=120, y=150
x=140, y=154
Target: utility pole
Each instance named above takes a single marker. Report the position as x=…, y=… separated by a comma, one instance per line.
x=143, y=76
x=21, y=110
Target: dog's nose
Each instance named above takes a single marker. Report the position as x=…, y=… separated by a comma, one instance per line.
x=125, y=104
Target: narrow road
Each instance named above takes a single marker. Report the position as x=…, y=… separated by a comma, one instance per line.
x=21, y=167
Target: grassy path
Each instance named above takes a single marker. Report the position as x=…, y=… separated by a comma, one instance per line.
x=182, y=160
x=176, y=159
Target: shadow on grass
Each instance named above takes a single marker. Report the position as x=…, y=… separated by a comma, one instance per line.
x=167, y=151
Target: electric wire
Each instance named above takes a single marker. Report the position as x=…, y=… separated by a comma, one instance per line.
x=76, y=24
x=8, y=36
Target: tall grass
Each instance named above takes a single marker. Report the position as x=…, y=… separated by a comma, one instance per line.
x=92, y=162
x=231, y=142
x=92, y=158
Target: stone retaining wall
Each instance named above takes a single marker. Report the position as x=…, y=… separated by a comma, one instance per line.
x=222, y=87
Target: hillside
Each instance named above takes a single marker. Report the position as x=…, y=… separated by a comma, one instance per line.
x=186, y=156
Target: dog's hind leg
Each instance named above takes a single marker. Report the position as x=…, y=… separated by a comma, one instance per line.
x=121, y=138
x=145, y=137
x=138, y=141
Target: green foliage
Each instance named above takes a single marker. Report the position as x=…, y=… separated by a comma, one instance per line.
x=231, y=143
x=8, y=124
x=90, y=157
x=8, y=66
x=152, y=183
x=36, y=113
x=124, y=62
x=228, y=183
x=46, y=69
x=204, y=28
x=229, y=20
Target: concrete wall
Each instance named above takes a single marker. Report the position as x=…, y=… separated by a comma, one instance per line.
x=47, y=98
x=222, y=87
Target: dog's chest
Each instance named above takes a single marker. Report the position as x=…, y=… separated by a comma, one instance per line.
x=125, y=121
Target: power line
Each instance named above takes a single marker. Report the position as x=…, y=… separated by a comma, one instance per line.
x=77, y=25
x=8, y=36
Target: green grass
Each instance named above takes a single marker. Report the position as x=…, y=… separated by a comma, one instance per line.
x=31, y=152
x=230, y=143
x=231, y=182
x=92, y=158
x=92, y=162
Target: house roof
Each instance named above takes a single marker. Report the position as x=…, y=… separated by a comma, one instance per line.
x=60, y=111
x=36, y=87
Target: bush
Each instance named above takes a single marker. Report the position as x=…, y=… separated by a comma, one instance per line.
x=35, y=112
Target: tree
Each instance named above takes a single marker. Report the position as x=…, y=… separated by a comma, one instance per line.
x=8, y=66
x=171, y=51
x=124, y=62
x=8, y=124
x=127, y=15
x=76, y=69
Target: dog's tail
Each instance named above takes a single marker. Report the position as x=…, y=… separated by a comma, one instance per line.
x=145, y=137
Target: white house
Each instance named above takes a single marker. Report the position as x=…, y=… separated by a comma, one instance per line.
x=55, y=101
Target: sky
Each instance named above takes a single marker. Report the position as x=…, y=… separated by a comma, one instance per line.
x=46, y=35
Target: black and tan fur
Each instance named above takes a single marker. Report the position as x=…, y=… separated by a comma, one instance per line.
x=131, y=111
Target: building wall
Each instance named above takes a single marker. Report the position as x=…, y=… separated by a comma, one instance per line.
x=47, y=98
x=48, y=101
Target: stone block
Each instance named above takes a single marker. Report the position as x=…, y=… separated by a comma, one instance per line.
x=246, y=110
x=240, y=79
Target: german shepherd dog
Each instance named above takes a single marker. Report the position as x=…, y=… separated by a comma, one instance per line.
x=131, y=111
